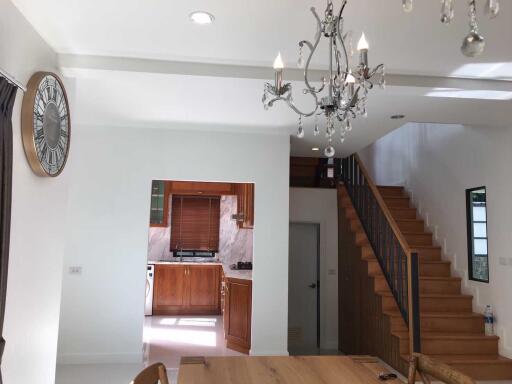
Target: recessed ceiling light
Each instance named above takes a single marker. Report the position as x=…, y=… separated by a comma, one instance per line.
x=315, y=149
x=201, y=17
x=397, y=117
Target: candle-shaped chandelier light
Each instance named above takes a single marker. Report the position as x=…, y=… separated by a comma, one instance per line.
x=342, y=95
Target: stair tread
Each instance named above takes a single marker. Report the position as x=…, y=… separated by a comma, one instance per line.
x=454, y=315
x=473, y=359
x=395, y=197
x=430, y=295
x=449, y=335
x=409, y=220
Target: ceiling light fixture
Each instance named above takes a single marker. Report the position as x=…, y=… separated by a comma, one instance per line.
x=315, y=149
x=201, y=17
x=474, y=43
x=346, y=89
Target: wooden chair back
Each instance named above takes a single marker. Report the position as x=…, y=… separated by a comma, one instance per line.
x=427, y=366
x=153, y=374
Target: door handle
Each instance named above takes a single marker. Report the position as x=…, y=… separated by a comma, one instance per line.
x=313, y=285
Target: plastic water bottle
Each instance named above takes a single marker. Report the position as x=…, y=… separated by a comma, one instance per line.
x=489, y=321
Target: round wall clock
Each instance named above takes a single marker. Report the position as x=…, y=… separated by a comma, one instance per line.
x=45, y=124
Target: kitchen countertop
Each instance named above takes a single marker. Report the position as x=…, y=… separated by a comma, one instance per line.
x=228, y=272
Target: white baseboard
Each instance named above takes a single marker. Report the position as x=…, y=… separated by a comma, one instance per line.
x=99, y=358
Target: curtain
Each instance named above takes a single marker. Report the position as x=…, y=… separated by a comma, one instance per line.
x=7, y=97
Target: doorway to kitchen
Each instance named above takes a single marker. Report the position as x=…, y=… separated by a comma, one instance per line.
x=199, y=270
x=304, y=289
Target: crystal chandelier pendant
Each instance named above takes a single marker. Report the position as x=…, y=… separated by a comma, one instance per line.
x=407, y=5
x=300, y=130
x=329, y=151
x=492, y=8
x=300, y=61
x=474, y=43
x=447, y=11
x=316, y=130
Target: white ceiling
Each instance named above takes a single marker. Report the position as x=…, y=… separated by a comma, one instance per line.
x=249, y=33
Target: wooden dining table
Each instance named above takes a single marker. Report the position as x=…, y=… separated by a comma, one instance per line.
x=282, y=370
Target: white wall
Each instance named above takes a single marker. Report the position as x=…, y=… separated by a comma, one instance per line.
x=319, y=206
x=102, y=309
x=37, y=229
x=437, y=163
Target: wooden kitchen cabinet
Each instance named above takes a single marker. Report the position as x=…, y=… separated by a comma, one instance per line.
x=201, y=188
x=245, y=204
x=237, y=314
x=186, y=290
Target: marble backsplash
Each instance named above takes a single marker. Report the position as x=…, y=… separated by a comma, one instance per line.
x=234, y=244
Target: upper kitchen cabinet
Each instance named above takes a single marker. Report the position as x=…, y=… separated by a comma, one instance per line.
x=201, y=188
x=245, y=205
x=159, y=204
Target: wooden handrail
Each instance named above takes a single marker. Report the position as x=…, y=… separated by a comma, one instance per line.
x=394, y=226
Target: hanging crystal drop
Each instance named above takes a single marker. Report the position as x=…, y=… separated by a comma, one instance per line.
x=349, y=126
x=407, y=5
x=329, y=151
x=300, y=61
x=342, y=139
x=300, y=131
x=316, y=130
x=447, y=11
x=492, y=8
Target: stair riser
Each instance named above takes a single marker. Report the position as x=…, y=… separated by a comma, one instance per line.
x=367, y=253
x=395, y=192
x=449, y=304
x=426, y=286
x=440, y=286
x=411, y=226
x=487, y=371
x=397, y=203
x=403, y=213
x=432, y=254
x=442, y=324
x=426, y=270
x=434, y=270
x=459, y=347
x=454, y=325
x=418, y=239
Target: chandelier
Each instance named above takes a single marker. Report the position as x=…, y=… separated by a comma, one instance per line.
x=474, y=43
x=341, y=97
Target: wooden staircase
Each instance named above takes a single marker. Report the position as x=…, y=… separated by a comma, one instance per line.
x=450, y=331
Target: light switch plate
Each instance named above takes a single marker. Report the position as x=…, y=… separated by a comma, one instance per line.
x=75, y=270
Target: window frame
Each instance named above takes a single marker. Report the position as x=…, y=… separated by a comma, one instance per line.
x=470, y=233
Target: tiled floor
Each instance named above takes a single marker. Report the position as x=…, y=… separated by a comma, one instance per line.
x=168, y=338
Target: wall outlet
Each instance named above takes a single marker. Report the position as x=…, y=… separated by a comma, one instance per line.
x=75, y=270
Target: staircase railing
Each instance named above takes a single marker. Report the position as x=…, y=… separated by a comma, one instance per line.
x=398, y=261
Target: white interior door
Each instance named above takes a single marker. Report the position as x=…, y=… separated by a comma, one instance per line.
x=303, y=290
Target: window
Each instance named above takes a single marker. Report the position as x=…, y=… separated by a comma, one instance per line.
x=478, y=262
x=195, y=222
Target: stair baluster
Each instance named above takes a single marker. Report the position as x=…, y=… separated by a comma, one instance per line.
x=398, y=261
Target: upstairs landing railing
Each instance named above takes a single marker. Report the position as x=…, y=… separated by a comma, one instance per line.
x=398, y=261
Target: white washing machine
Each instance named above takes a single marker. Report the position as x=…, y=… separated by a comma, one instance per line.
x=150, y=276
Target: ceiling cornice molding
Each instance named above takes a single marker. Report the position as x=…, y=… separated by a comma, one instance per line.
x=128, y=64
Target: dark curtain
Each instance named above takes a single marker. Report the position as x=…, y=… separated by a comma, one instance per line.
x=7, y=97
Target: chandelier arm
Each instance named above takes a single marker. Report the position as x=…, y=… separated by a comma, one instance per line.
x=342, y=8
x=375, y=70
x=312, y=48
x=343, y=43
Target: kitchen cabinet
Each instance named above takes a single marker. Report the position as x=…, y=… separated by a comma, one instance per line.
x=201, y=188
x=159, y=204
x=237, y=314
x=186, y=290
x=245, y=205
